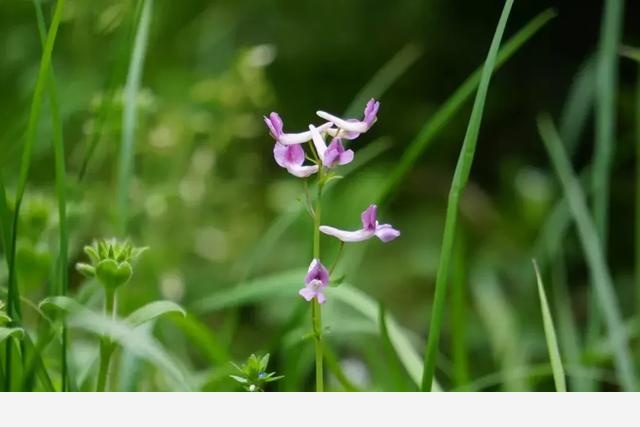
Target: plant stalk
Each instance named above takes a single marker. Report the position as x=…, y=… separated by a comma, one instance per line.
x=106, y=345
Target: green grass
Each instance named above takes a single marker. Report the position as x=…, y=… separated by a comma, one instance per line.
x=61, y=282
x=550, y=335
x=130, y=114
x=602, y=283
x=460, y=177
x=13, y=299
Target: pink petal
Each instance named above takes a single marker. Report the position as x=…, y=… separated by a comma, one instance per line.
x=369, y=217
x=386, y=232
x=307, y=293
x=317, y=271
x=321, y=298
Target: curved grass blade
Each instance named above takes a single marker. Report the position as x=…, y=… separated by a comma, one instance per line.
x=287, y=283
x=460, y=177
x=454, y=103
x=5, y=333
x=202, y=336
x=401, y=343
x=587, y=232
x=153, y=310
x=5, y=221
x=394, y=367
x=136, y=341
x=129, y=112
x=550, y=334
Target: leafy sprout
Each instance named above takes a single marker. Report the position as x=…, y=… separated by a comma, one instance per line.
x=253, y=373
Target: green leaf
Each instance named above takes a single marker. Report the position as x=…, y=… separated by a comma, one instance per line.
x=11, y=332
x=589, y=239
x=136, y=341
x=399, y=339
x=550, y=335
x=152, y=310
x=252, y=291
x=460, y=177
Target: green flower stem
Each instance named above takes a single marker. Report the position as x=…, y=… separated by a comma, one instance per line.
x=106, y=345
x=316, y=309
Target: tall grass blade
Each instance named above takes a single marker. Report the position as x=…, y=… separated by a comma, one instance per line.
x=394, y=367
x=61, y=279
x=459, y=349
x=13, y=298
x=5, y=221
x=129, y=113
x=550, y=335
x=637, y=207
x=578, y=105
x=587, y=232
x=454, y=103
x=606, y=87
x=567, y=329
x=460, y=178
x=153, y=310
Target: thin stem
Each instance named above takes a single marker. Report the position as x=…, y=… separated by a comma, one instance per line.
x=338, y=256
x=106, y=345
x=316, y=309
x=638, y=187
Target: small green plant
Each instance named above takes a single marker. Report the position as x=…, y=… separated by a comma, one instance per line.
x=253, y=373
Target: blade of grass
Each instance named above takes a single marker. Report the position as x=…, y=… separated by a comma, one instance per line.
x=459, y=315
x=601, y=279
x=578, y=105
x=460, y=178
x=5, y=221
x=61, y=279
x=108, y=106
x=637, y=207
x=394, y=367
x=454, y=103
x=605, y=134
x=500, y=321
x=384, y=78
x=606, y=87
x=13, y=298
x=550, y=334
x=567, y=329
x=129, y=113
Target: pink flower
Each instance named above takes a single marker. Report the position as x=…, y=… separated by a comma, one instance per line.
x=315, y=282
x=370, y=228
x=333, y=155
x=352, y=128
x=276, y=130
x=291, y=157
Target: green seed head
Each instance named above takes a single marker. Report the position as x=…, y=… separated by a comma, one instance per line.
x=110, y=262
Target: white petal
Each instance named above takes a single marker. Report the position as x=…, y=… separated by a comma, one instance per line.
x=347, y=236
x=301, y=137
x=318, y=141
x=302, y=171
x=360, y=127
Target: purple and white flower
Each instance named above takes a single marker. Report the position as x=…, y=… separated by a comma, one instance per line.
x=370, y=228
x=276, y=129
x=333, y=155
x=315, y=282
x=352, y=128
x=291, y=157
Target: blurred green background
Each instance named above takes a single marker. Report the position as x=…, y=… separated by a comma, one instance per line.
x=207, y=192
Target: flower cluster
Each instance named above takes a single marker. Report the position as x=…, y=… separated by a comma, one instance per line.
x=290, y=155
x=111, y=262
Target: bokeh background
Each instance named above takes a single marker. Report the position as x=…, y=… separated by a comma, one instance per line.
x=207, y=193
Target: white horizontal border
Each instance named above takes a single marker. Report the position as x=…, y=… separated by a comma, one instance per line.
x=324, y=409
